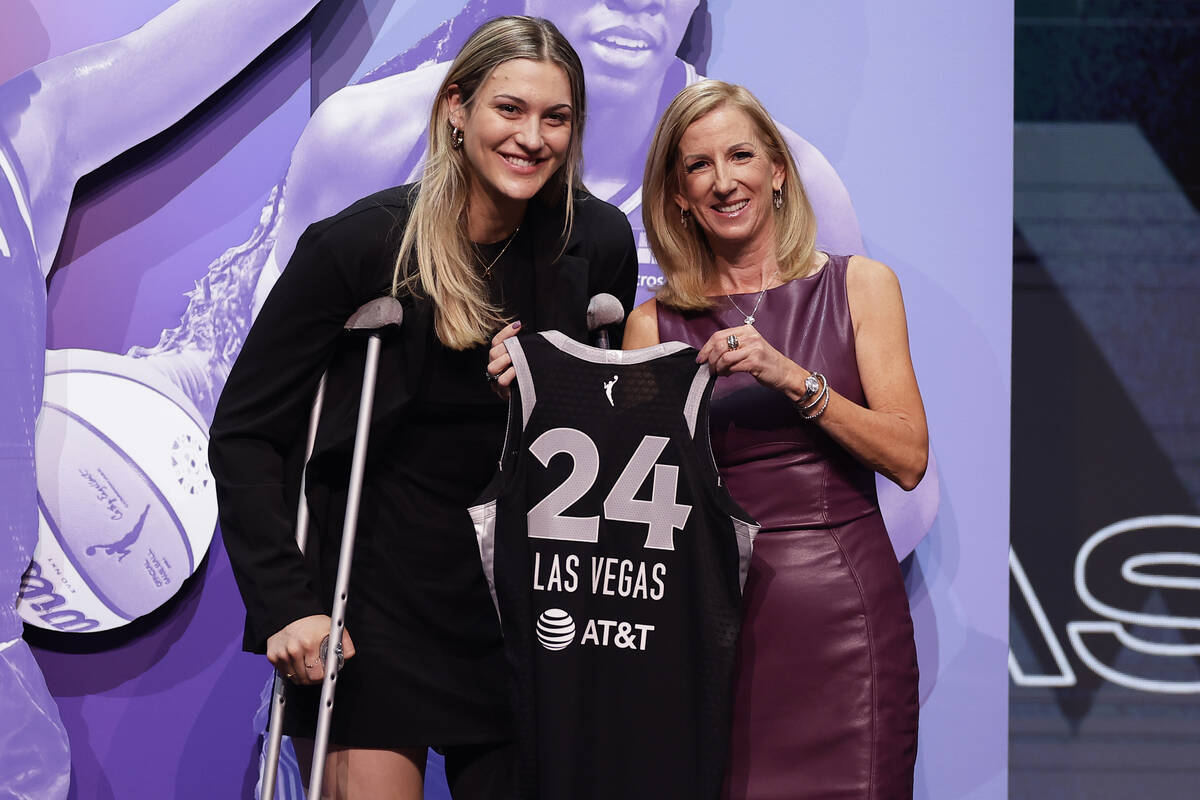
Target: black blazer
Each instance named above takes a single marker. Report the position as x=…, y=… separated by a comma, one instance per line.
x=257, y=437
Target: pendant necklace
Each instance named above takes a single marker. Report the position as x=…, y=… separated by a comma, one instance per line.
x=487, y=269
x=750, y=317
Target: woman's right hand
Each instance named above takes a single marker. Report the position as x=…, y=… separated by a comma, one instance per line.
x=752, y=353
x=295, y=650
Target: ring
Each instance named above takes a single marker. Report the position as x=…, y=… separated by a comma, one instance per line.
x=290, y=675
x=491, y=378
x=308, y=665
x=337, y=652
x=732, y=341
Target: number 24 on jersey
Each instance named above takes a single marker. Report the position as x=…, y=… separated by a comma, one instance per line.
x=661, y=514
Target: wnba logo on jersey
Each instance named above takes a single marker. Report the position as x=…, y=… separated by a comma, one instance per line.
x=608, y=389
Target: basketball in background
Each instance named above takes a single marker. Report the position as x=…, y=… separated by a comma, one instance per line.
x=126, y=501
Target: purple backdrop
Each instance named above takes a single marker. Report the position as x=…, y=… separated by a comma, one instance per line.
x=182, y=222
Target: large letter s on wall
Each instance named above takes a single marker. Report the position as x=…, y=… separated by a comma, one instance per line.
x=1158, y=553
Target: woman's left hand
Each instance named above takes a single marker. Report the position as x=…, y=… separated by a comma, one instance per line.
x=500, y=369
x=752, y=354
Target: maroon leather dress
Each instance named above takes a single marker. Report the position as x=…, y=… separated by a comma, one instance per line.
x=826, y=696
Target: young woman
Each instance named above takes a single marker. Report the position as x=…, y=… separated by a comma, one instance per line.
x=497, y=236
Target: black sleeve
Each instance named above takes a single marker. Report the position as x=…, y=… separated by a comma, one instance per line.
x=262, y=416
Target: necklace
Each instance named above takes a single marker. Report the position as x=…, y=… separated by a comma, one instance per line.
x=487, y=268
x=750, y=317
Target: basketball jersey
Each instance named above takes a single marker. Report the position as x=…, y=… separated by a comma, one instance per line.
x=616, y=560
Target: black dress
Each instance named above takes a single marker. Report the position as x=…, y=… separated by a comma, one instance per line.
x=429, y=666
x=426, y=633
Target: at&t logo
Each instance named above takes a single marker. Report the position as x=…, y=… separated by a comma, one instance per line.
x=556, y=630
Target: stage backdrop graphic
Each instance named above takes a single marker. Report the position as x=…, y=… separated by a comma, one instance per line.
x=1105, y=664
x=900, y=120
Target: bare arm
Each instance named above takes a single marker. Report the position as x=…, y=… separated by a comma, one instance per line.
x=62, y=116
x=354, y=145
x=889, y=434
x=361, y=140
x=641, y=330
x=165, y=68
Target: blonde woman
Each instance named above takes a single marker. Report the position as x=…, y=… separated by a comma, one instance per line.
x=816, y=393
x=497, y=236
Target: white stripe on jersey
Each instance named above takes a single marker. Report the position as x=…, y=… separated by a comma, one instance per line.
x=524, y=380
x=745, y=531
x=484, y=519
x=691, y=408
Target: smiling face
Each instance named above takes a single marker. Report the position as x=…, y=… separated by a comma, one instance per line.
x=516, y=132
x=726, y=179
x=623, y=44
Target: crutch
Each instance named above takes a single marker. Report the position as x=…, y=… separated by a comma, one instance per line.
x=371, y=319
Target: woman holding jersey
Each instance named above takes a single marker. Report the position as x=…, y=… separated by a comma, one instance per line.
x=816, y=394
x=497, y=236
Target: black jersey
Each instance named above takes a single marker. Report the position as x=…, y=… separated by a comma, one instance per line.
x=616, y=559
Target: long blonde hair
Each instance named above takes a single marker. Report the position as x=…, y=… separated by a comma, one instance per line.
x=435, y=237
x=683, y=252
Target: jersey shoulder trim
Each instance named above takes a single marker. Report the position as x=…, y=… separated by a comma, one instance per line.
x=528, y=395
x=598, y=356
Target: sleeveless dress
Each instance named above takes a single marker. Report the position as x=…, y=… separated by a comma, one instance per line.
x=826, y=698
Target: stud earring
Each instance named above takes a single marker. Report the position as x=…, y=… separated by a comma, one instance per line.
x=777, y=198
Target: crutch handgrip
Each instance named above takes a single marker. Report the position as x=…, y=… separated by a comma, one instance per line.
x=376, y=315
x=603, y=311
